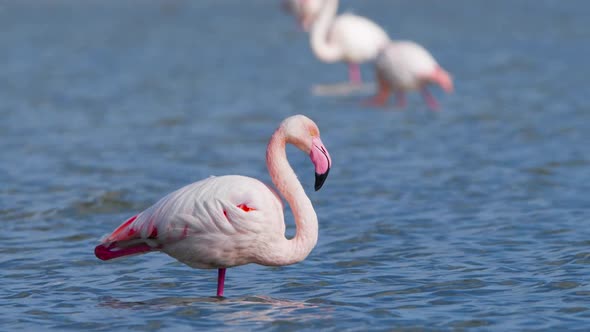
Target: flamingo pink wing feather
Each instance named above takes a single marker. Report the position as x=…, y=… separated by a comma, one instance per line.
x=110, y=249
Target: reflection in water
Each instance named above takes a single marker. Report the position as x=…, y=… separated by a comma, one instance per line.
x=231, y=311
x=157, y=303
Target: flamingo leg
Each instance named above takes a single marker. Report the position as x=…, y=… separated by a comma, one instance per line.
x=220, y=281
x=430, y=100
x=400, y=98
x=383, y=93
x=354, y=73
x=380, y=99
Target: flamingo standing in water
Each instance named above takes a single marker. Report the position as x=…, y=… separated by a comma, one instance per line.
x=305, y=11
x=226, y=221
x=347, y=37
x=404, y=66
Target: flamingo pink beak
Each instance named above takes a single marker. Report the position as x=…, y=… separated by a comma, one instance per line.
x=321, y=160
x=444, y=79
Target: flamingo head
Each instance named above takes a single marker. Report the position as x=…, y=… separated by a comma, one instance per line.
x=444, y=79
x=305, y=135
x=305, y=11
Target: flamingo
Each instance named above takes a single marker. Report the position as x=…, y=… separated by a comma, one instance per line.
x=404, y=66
x=232, y=220
x=305, y=11
x=347, y=37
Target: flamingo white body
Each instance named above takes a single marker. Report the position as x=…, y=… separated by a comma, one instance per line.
x=226, y=221
x=305, y=11
x=404, y=66
x=349, y=38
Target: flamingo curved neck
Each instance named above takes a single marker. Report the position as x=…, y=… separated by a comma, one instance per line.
x=306, y=221
x=319, y=33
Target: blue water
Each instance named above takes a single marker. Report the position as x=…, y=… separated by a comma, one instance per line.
x=476, y=217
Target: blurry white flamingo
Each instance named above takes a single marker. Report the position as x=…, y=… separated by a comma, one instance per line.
x=305, y=11
x=226, y=221
x=404, y=66
x=347, y=37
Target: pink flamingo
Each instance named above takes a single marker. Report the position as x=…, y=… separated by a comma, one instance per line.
x=404, y=66
x=226, y=221
x=347, y=37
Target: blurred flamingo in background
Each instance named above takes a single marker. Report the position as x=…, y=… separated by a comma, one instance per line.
x=226, y=221
x=305, y=11
x=347, y=37
x=404, y=66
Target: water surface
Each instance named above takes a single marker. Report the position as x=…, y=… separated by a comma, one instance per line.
x=473, y=217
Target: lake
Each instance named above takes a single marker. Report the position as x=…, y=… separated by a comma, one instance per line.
x=472, y=218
